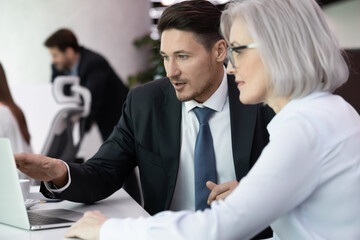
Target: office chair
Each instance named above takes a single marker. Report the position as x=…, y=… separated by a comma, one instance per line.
x=68, y=127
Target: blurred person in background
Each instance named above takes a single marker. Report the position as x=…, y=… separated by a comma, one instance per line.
x=12, y=120
x=108, y=93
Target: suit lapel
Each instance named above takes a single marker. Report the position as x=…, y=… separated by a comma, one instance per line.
x=81, y=67
x=169, y=120
x=242, y=121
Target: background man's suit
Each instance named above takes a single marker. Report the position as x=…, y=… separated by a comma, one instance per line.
x=107, y=90
x=148, y=136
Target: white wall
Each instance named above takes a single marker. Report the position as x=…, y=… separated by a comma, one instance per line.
x=344, y=19
x=108, y=27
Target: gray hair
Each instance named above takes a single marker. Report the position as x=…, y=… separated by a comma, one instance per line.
x=295, y=44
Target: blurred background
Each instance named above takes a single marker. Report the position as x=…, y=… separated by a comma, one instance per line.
x=123, y=31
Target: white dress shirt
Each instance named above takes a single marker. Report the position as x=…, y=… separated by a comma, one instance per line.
x=9, y=128
x=184, y=195
x=306, y=183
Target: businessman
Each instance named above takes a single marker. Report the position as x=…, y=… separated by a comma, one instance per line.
x=107, y=90
x=183, y=131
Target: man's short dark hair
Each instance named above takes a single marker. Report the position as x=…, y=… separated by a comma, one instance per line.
x=62, y=39
x=198, y=16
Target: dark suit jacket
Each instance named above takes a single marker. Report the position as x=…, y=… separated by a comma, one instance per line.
x=107, y=90
x=148, y=136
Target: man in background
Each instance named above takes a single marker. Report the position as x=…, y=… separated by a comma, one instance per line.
x=107, y=90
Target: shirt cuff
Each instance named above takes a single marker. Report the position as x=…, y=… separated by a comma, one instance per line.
x=53, y=189
x=128, y=228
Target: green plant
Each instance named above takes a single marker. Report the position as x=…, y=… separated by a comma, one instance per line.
x=156, y=68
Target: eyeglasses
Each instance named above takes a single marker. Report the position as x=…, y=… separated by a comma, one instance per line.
x=231, y=50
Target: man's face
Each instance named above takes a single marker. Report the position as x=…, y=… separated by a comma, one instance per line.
x=60, y=59
x=193, y=70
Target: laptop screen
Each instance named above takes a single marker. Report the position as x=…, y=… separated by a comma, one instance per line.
x=12, y=207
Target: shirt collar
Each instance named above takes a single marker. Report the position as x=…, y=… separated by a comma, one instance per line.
x=74, y=68
x=216, y=101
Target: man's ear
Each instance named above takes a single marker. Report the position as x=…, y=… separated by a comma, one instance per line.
x=220, y=50
x=69, y=52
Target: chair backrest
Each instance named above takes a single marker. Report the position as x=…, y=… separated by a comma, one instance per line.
x=67, y=129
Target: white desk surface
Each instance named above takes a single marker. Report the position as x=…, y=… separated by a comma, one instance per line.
x=120, y=205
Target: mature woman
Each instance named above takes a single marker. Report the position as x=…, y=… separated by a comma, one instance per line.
x=306, y=182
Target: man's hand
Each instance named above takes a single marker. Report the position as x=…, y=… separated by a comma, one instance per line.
x=42, y=168
x=220, y=191
x=88, y=227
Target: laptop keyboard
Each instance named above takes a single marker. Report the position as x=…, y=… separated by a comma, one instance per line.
x=37, y=219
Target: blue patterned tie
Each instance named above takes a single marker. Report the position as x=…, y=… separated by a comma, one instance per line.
x=204, y=163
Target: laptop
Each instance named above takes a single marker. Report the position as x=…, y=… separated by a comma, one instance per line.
x=12, y=208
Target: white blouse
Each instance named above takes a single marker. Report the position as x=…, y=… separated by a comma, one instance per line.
x=10, y=129
x=305, y=184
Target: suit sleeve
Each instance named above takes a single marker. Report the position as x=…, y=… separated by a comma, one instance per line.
x=105, y=172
